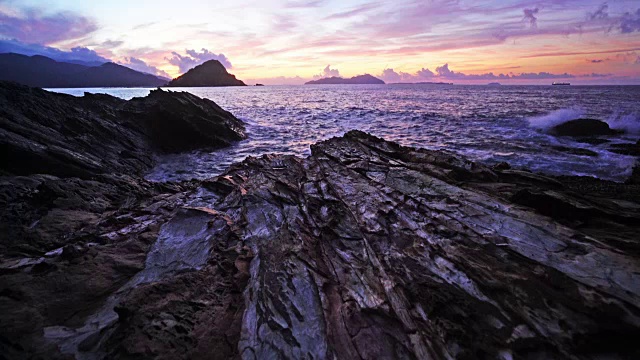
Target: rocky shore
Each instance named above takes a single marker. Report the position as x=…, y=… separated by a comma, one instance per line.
x=364, y=250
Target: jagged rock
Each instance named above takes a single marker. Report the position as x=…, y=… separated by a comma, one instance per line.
x=179, y=121
x=63, y=135
x=76, y=217
x=371, y=250
x=583, y=127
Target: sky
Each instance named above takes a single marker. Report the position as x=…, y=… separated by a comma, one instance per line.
x=293, y=41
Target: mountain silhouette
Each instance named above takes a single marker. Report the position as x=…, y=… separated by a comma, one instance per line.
x=209, y=73
x=360, y=79
x=41, y=71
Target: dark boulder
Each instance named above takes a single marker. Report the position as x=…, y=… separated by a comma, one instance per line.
x=583, y=127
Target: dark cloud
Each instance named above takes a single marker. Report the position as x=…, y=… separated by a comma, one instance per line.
x=600, y=14
x=530, y=17
x=630, y=22
x=327, y=72
x=33, y=26
x=77, y=54
x=194, y=58
x=638, y=60
x=596, y=75
x=140, y=65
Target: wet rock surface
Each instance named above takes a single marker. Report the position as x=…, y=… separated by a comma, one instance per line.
x=364, y=250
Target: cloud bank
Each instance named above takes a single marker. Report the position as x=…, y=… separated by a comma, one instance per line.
x=76, y=54
x=327, y=72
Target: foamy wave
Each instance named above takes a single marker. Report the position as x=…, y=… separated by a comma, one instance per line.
x=554, y=118
x=629, y=123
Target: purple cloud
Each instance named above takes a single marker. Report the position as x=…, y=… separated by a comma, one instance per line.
x=194, y=58
x=600, y=14
x=630, y=22
x=391, y=76
x=444, y=73
x=77, y=54
x=530, y=16
x=353, y=12
x=32, y=26
x=140, y=65
x=328, y=72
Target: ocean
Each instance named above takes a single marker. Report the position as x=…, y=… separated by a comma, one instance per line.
x=487, y=124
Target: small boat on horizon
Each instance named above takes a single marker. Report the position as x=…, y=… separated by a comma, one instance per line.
x=561, y=83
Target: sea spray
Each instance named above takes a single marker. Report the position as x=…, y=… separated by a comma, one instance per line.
x=629, y=123
x=554, y=118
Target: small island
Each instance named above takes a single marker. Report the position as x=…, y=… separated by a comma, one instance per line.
x=209, y=73
x=358, y=80
x=424, y=83
x=494, y=84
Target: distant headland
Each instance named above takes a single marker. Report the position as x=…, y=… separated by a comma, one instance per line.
x=41, y=71
x=360, y=79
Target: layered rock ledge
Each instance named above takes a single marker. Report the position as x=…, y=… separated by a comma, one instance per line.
x=364, y=250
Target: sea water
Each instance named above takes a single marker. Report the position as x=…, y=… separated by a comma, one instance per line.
x=488, y=124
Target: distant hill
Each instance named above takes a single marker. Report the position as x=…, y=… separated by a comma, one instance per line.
x=360, y=79
x=209, y=73
x=424, y=83
x=41, y=71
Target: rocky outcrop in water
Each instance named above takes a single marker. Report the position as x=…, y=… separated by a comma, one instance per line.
x=209, y=73
x=583, y=127
x=363, y=250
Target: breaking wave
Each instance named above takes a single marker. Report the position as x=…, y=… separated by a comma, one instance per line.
x=554, y=118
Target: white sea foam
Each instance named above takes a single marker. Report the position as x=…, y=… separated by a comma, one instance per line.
x=554, y=118
x=630, y=123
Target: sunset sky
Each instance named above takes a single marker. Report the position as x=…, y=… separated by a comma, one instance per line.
x=289, y=42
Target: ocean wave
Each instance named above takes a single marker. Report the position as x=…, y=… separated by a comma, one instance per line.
x=629, y=123
x=554, y=118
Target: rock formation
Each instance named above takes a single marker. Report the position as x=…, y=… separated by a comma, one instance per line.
x=364, y=250
x=360, y=79
x=209, y=73
x=583, y=127
x=42, y=71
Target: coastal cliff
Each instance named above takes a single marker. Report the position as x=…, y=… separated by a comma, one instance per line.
x=363, y=250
